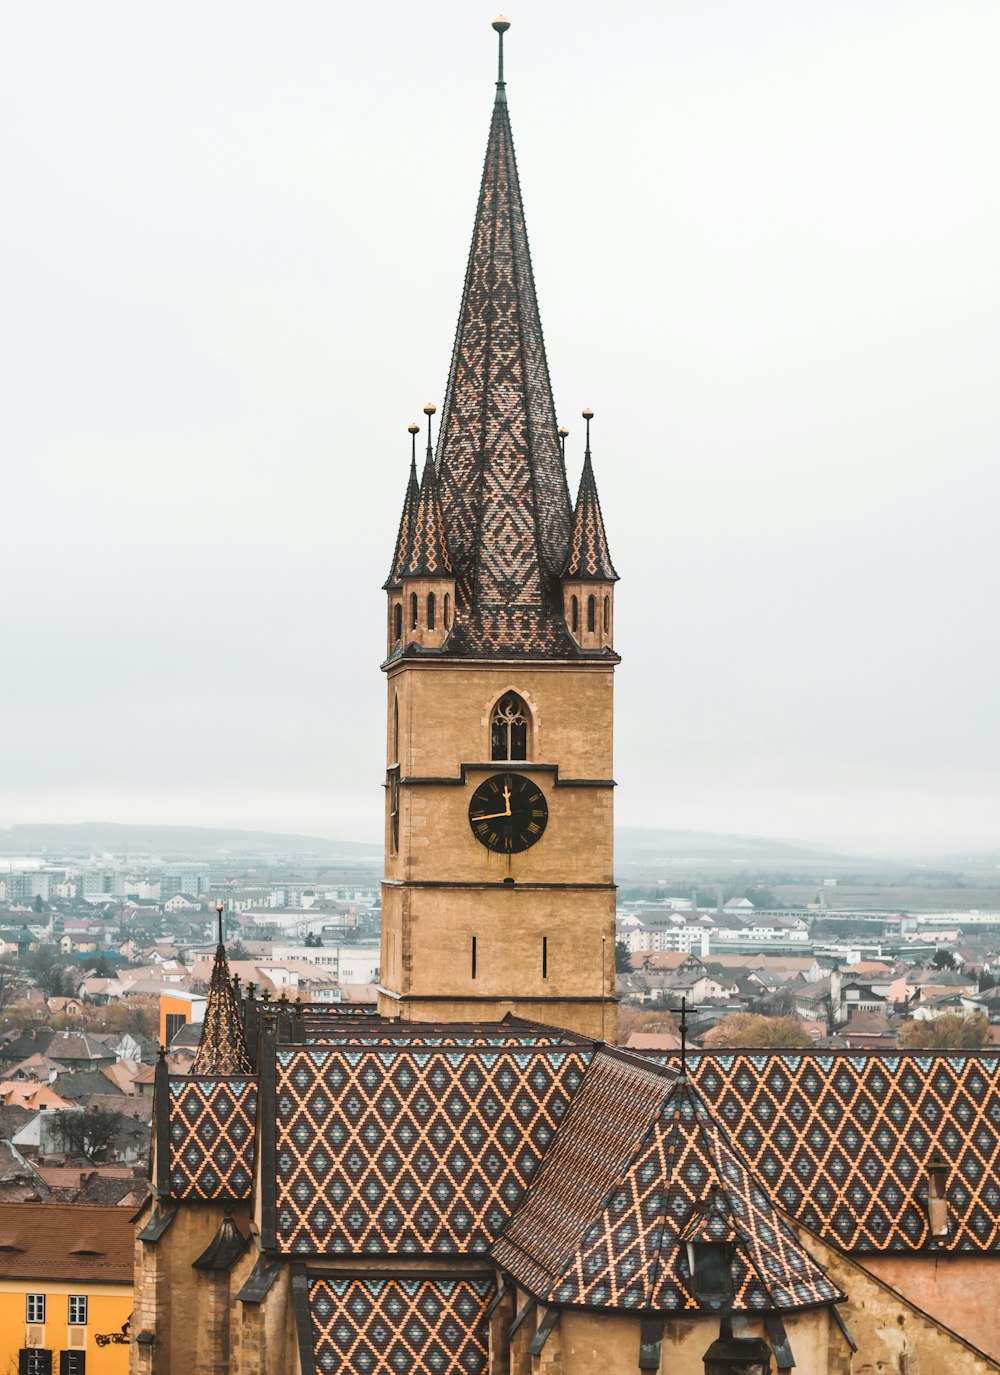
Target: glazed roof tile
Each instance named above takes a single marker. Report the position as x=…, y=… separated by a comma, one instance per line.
x=842, y=1141
x=412, y=1150
x=405, y=532
x=427, y=556
x=589, y=558
x=503, y=487
x=211, y=1136
x=222, y=1048
x=385, y=1326
x=638, y=1169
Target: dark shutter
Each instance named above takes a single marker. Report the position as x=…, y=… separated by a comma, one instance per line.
x=72, y=1362
x=46, y=1362
x=22, y=1361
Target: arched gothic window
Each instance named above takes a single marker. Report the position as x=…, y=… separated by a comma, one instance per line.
x=395, y=729
x=509, y=728
x=397, y=619
x=430, y=610
x=574, y=614
x=607, y=615
x=413, y=610
x=591, y=613
x=447, y=611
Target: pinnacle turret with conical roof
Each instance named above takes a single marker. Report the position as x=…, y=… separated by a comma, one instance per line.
x=427, y=556
x=404, y=535
x=589, y=558
x=588, y=576
x=222, y=1048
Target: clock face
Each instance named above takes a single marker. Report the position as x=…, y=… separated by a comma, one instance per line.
x=508, y=813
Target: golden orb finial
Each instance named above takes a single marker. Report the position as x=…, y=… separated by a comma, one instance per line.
x=430, y=408
x=587, y=413
x=563, y=432
x=501, y=24
x=413, y=429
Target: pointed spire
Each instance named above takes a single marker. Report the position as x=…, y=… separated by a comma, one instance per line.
x=405, y=533
x=222, y=1048
x=589, y=558
x=502, y=481
x=428, y=553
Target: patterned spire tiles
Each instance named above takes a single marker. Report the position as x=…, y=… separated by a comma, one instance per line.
x=624, y=1208
x=390, y=1326
x=503, y=485
x=427, y=556
x=589, y=557
x=222, y=1048
x=395, y=1150
x=405, y=532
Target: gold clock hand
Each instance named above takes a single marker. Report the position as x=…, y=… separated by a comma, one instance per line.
x=506, y=798
x=491, y=816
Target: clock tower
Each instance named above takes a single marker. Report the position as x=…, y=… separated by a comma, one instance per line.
x=499, y=890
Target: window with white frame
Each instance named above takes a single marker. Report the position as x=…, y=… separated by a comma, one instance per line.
x=36, y=1308
x=77, y=1309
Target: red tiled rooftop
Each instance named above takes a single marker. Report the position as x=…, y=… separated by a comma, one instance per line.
x=66, y=1241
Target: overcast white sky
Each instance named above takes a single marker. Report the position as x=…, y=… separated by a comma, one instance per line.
x=765, y=240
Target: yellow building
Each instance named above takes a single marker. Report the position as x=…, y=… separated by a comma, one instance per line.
x=65, y=1288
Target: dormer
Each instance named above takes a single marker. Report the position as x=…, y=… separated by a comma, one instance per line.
x=589, y=576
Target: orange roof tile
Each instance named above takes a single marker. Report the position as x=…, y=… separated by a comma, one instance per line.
x=66, y=1241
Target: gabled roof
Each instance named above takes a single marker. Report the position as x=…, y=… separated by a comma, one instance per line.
x=639, y=1168
x=589, y=558
x=222, y=1048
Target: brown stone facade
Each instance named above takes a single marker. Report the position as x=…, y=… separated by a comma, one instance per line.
x=470, y=934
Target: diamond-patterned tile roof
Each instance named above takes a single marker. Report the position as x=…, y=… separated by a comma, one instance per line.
x=638, y=1169
x=412, y=1150
x=589, y=557
x=211, y=1135
x=842, y=1142
x=397, y=1326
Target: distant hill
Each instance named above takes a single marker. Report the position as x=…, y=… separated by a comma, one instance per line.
x=175, y=842
x=636, y=845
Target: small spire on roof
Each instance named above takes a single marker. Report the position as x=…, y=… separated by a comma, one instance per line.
x=563, y=436
x=401, y=553
x=428, y=555
x=501, y=25
x=588, y=557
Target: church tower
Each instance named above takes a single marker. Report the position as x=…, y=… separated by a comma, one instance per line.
x=499, y=888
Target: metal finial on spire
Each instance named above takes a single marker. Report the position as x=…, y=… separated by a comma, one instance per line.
x=684, y=1033
x=413, y=431
x=429, y=410
x=563, y=436
x=588, y=415
x=218, y=908
x=501, y=25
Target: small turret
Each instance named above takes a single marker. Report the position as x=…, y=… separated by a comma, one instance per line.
x=427, y=580
x=589, y=576
x=401, y=553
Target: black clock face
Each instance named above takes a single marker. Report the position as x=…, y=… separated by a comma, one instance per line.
x=508, y=813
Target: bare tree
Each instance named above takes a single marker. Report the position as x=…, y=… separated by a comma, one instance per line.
x=88, y=1132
